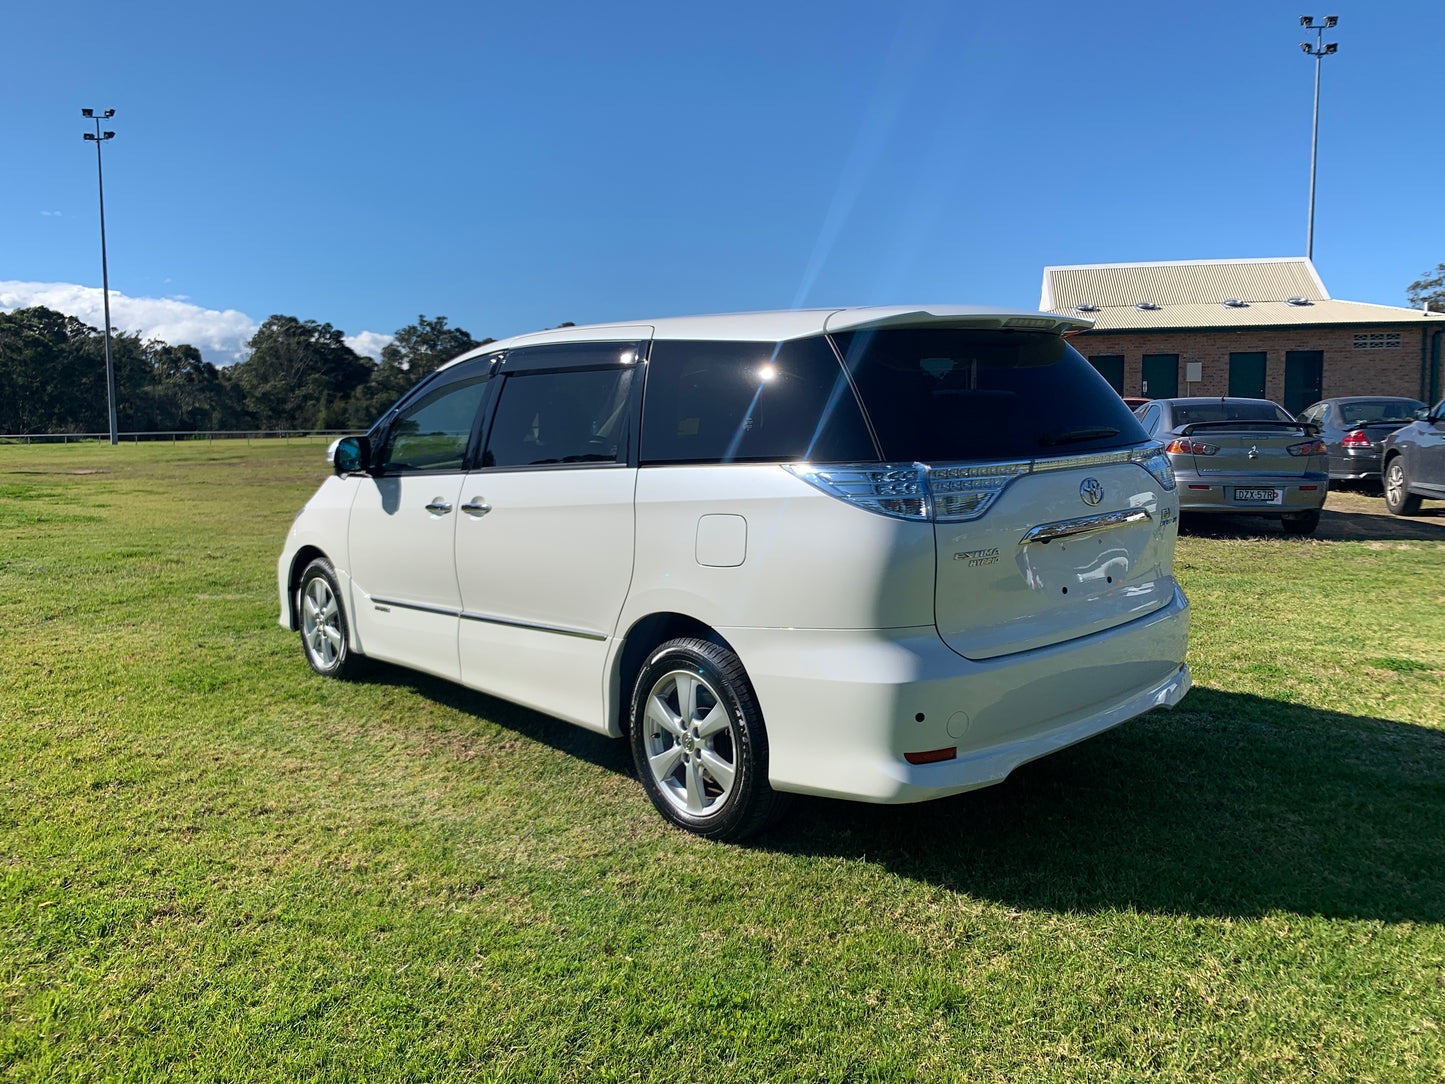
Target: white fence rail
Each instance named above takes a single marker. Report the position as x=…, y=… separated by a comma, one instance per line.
x=176, y=436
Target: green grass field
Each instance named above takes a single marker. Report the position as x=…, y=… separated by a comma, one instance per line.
x=217, y=866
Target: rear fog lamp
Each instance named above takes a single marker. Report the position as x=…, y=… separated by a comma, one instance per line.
x=932, y=756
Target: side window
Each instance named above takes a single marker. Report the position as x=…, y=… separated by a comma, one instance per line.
x=431, y=433
x=724, y=402
x=575, y=416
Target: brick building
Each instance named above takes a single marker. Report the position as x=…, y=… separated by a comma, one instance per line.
x=1260, y=328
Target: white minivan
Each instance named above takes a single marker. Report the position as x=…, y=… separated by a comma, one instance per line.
x=885, y=554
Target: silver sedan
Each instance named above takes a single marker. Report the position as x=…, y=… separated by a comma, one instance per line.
x=1242, y=457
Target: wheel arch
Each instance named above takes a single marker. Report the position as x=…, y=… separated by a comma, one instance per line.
x=641, y=639
x=303, y=557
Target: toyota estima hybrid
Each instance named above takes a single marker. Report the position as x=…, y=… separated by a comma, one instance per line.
x=884, y=554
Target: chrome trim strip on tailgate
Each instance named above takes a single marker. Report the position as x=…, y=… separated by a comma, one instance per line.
x=1047, y=532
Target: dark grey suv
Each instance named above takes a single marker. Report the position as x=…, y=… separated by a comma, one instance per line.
x=1414, y=463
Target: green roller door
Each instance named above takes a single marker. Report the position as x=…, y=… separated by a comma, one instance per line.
x=1161, y=376
x=1246, y=375
x=1304, y=372
x=1111, y=368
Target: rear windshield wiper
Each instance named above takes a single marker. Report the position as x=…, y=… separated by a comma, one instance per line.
x=1073, y=436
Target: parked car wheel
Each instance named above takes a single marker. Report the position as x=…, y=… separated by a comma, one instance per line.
x=698, y=741
x=1302, y=522
x=325, y=633
x=1398, y=498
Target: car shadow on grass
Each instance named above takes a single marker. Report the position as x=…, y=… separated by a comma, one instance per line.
x=586, y=745
x=1229, y=805
x=1357, y=522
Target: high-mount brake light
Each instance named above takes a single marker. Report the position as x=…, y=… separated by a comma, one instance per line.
x=1356, y=439
x=1309, y=447
x=1185, y=446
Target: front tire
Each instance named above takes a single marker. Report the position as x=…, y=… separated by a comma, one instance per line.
x=1398, y=498
x=325, y=632
x=698, y=741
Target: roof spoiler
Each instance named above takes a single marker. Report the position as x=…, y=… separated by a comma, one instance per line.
x=1272, y=423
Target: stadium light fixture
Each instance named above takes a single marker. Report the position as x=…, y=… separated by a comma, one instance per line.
x=98, y=138
x=1319, y=50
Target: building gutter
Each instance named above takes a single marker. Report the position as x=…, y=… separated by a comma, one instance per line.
x=1212, y=329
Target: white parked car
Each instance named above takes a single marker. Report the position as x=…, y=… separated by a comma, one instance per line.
x=885, y=554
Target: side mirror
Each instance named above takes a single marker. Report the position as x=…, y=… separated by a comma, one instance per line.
x=349, y=455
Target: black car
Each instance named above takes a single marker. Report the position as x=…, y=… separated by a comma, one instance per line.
x=1415, y=463
x=1354, y=429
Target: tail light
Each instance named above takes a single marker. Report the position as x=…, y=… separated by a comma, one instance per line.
x=1184, y=446
x=1309, y=447
x=947, y=493
x=1356, y=439
x=913, y=490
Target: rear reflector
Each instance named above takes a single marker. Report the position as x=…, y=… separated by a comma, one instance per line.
x=1308, y=489
x=1198, y=487
x=933, y=756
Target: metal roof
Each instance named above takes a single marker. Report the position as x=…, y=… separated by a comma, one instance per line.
x=1191, y=294
x=797, y=323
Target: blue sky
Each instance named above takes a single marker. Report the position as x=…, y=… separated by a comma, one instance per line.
x=513, y=166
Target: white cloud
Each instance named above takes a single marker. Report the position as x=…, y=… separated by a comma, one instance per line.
x=51, y=214
x=221, y=336
x=368, y=343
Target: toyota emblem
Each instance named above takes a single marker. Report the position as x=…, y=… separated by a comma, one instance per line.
x=1090, y=491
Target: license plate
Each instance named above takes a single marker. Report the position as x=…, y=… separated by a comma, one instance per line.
x=1258, y=496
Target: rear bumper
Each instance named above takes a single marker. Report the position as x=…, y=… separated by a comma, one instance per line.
x=1214, y=492
x=843, y=707
x=1355, y=466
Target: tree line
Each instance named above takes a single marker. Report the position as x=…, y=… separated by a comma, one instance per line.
x=298, y=374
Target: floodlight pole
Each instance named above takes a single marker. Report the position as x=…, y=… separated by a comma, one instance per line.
x=100, y=138
x=1319, y=51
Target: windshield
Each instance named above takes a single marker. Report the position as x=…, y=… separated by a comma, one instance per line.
x=1378, y=412
x=1226, y=410
x=951, y=394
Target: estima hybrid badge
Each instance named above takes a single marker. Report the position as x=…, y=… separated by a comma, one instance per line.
x=1090, y=491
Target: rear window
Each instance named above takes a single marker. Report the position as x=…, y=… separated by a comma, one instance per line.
x=938, y=395
x=1376, y=412
x=1226, y=411
x=739, y=402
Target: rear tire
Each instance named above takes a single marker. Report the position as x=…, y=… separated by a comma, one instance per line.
x=1302, y=522
x=698, y=741
x=325, y=631
x=1398, y=498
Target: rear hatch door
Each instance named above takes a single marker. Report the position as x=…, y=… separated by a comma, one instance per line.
x=1045, y=565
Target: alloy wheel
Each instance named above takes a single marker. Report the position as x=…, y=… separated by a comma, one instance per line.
x=321, y=628
x=690, y=742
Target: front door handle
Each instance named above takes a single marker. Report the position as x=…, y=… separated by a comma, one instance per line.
x=438, y=507
x=476, y=507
